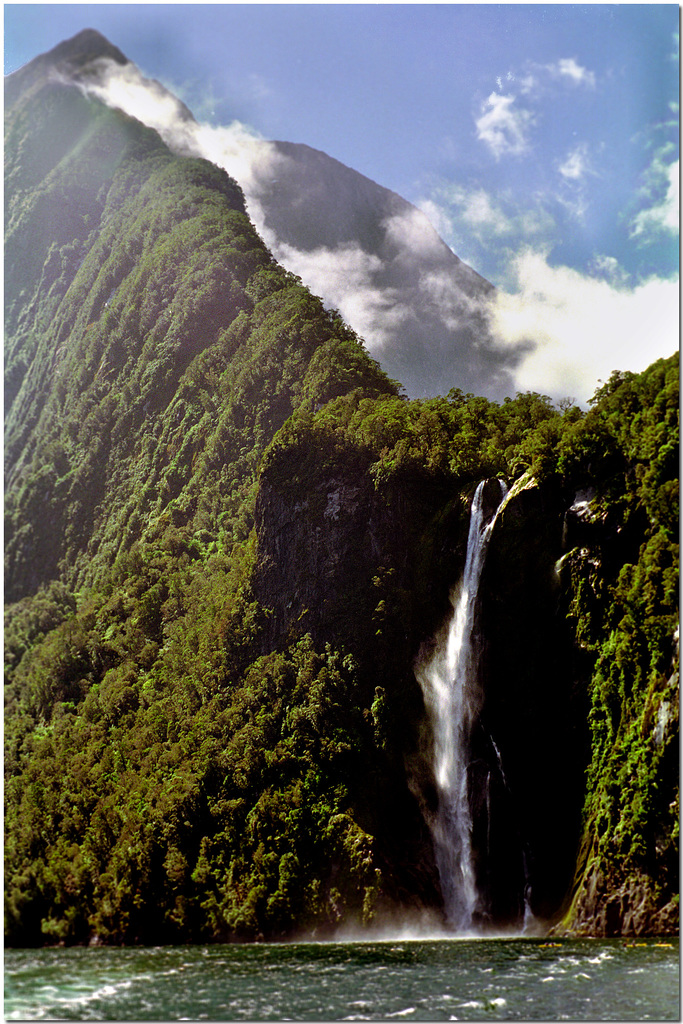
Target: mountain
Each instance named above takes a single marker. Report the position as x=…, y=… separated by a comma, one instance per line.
x=232, y=545
x=422, y=311
x=98, y=211
x=68, y=59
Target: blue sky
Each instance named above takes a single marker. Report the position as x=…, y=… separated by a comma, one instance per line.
x=541, y=140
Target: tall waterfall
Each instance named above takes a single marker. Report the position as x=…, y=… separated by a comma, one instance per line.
x=451, y=688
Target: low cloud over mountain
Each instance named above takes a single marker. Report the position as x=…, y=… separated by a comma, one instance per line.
x=431, y=320
x=369, y=253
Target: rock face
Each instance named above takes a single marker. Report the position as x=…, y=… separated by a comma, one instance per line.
x=529, y=745
x=367, y=570
x=530, y=748
x=312, y=550
x=599, y=852
x=535, y=696
x=614, y=896
x=632, y=909
x=325, y=535
x=326, y=530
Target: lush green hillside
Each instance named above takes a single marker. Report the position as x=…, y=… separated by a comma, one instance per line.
x=149, y=331
x=228, y=537
x=153, y=350
x=624, y=575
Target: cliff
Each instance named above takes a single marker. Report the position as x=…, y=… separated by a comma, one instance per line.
x=339, y=514
x=579, y=594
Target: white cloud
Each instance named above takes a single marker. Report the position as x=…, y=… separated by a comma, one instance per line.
x=574, y=201
x=237, y=148
x=124, y=87
x=663, y=214
x=473, y=207
x=528, y=84
x=438, y=215
x=573, y=171
x=609, y=268
x=575, y=165
x=479, y=211
x=449, y=302
x=474, y=223
x=351, y=280
x=344, y=278
x=504, y=127
x=581, y=328
x=413, y=233
x=568, y=68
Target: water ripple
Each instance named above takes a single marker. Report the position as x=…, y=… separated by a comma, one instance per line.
x=428, y=980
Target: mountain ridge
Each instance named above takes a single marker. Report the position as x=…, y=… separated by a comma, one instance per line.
x=65, y=58
x=367, y=251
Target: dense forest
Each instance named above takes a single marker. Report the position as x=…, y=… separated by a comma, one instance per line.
x=229, y=536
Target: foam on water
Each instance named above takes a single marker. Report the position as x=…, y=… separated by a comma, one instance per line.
x=518, y=979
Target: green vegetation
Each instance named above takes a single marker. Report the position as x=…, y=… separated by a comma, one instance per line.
x=157, y=802
x=151, y=360
x=227, y=536
x=188, y=347
x=625, y=610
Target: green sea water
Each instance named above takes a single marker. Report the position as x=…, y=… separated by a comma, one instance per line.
x=456, y=979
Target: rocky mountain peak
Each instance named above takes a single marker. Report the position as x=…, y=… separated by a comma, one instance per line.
x=69, y=59
x=83, y=48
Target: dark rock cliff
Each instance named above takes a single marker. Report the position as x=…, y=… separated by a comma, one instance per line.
x=340, y=557
x=535, y=695
x=326, y=551
x=365, y=569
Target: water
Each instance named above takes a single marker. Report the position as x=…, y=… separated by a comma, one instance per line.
x=450, y=683
x=458, y=979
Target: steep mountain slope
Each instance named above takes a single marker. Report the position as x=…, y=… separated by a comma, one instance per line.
x=68, y=59
x=422, y=310
x=364, y=249
x=228, y=540
x=154, y=348
x=149, y=268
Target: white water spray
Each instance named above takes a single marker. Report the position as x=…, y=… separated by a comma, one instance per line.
x=451, y=689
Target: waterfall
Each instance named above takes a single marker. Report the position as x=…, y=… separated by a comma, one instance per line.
x=450, y=684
